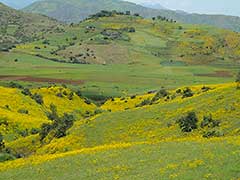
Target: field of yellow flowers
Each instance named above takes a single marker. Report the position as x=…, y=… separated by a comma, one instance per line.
x=136, y=137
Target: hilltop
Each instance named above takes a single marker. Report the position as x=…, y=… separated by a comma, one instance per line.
x=77, y=10
x=18, y=27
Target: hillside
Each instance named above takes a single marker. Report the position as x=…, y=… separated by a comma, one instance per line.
x=17, y=27
x=119, y=39
x=121, y=55
x=17, y=4
x=77, y=10
x=131, y=137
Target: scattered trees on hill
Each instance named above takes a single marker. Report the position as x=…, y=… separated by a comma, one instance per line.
x=162, y=18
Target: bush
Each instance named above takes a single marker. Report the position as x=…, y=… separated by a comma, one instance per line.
x=6, y=157
x=23, y=111
x=213, y=133
x=38, y=98
x=34, y=131
x=59, y=95
x=87, y=101
x=45, y=129
x=26, y=92
x=208, y=121
x=160, y=94
x=188, y=122
x=53, y=114
x=2, y=143
x=63, y=124
x=144, y=103
x=187, y=93
x=15, y=85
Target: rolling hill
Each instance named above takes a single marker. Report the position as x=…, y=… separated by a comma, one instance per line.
x=17, y=4
x=117, y=96
x=17, y=26
x=123, y=138
x=77, y=10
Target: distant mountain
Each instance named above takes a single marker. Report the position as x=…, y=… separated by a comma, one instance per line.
x=77, y=10
x=17, y=26
x=152, y=5
x=17, y=4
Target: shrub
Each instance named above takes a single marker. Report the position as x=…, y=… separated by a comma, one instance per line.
x=15, y=85
x=160, y=94
x=2, y=143
x=208, y=121
x=26, y=92
x=70, y=96
x=188, y=122
x=23, y=111
x=144, y=103
x=133, y=97
x=213, y=133
x=187, y=93
x=63, y=124
x=6, y=157
x=45, y=129
x=53, y=114
x=59, y=95
x=38, y=98
x=87, y=101
x=34, y=131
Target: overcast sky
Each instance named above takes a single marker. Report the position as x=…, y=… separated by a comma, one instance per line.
x=229, y=7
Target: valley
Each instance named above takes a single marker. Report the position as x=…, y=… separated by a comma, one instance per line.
x=117, y=96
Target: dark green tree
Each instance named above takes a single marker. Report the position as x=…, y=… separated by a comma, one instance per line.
x=188, y=122
x=2, y=144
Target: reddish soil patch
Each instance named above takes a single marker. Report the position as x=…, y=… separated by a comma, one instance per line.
x=217, y=74
x=38, y=79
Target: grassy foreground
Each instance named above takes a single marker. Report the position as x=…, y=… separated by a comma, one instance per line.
x=127, y=141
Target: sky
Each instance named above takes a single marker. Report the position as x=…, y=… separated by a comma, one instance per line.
x=228, y=7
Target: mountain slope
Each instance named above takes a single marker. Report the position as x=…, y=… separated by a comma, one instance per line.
x=17, y=4
x=76, y=10
x=17, y=26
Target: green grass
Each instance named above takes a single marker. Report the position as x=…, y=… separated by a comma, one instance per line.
x=170, y=160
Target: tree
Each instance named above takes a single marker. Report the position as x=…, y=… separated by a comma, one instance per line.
x=2, y=144
x=38, y=98
x=63, y=124
x=187, y=93
x=128, y=12
x=238, y=80
x=188, y=122
x=53, y=114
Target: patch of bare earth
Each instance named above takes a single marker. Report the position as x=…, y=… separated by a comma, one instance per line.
x=39, y=79
x=217, y=74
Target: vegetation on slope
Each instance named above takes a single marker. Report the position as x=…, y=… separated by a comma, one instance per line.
x=17, y=27
x=148, y=132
